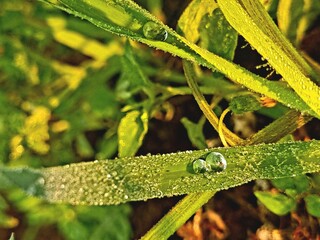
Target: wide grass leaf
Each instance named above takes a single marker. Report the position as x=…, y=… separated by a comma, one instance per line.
x=144, y=177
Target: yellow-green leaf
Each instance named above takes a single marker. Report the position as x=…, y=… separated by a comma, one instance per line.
x=131, y=131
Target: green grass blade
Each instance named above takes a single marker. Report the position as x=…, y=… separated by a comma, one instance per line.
x=250, y=19
x=126, y=18
x=144, y=177
x=177, y=216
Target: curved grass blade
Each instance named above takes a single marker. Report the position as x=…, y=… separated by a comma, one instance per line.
x=145, y=177
x=126, y=18
x=259, y=30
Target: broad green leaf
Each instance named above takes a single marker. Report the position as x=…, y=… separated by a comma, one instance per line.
x=144, y=177
x=131, y=131
x=244, y=103
x=126, y=18
x=297, y=184
x=195, y=133
x=260, y=31
x=190, y=20
x=277, y=203
x=217, y=35
x=313, y=205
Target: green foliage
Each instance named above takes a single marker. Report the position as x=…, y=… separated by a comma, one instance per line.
x=244, y=103
x=294, y=189
x=195, y=132
x=74, y=222
x=277, y=203
x=295, y=17
x=137, y=125
x=138, y=178
x=292, y=186
x=73, y=92
x=313, y=204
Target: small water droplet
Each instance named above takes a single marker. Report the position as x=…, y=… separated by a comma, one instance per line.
x=199, y=166
x=154, y=31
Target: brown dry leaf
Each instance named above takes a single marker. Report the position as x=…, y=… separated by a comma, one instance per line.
x=191, y=230
x=207, y=225
x=216, y=226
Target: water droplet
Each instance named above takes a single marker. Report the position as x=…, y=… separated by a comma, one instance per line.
x=199, y=166
x=216, y=162
x=211, y=162
x=154, y=31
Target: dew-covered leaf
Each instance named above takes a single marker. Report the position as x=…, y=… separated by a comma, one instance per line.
x=259, y=30
x=277, y=203
x=144, y=177
x=126, y=18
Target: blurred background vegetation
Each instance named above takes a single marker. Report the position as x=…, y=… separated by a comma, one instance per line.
x=68, y=91
x=58, y=105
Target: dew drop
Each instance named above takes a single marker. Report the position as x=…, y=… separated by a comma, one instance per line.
x=154, y=31
x=216, y=162
x=199, y=166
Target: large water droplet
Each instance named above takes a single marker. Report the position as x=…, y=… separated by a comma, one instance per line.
x=216, y=162
x=154, y=31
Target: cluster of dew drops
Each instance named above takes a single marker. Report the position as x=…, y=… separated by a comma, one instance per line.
x=210, y=162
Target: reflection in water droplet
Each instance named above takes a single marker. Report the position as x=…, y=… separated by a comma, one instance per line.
x=210, y=162
x=216, y=161
x=199, y=166
x=154, y=31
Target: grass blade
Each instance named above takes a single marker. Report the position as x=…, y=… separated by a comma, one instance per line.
x=144, y=177
x=126, y=18
x=261, y=32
